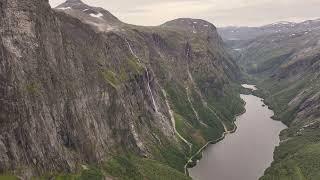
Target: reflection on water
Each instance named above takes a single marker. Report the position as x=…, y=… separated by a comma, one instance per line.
x=245, y=154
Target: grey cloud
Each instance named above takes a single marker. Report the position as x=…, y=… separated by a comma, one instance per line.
x=134, y=11
x=219, y=12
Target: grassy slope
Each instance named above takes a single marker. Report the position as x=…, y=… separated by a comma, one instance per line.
x=297, y=158
x=226, y=108
x=137, y=168
x=169, y=159
x=8, y=177
x=125, y=168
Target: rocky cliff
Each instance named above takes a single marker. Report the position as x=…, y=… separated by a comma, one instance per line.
x=79, y=87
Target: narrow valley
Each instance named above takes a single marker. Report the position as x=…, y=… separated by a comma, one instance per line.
x=85, y=95
x=246, y=153
x=283, y=59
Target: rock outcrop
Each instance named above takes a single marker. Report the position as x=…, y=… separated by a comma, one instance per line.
x=77, y=85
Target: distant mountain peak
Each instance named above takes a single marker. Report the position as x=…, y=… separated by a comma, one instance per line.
x=98, y=17
x=283, y=22
x=74, y=1
x=188, y=21
x=193, y=25
x=71, y=3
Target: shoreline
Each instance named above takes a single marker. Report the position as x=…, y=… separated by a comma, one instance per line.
x=201, y=150
x=190, y=160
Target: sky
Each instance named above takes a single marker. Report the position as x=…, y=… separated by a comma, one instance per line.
x=219, y=12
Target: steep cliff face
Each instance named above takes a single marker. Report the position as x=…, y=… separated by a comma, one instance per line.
x=61, y=100
x=78, y=86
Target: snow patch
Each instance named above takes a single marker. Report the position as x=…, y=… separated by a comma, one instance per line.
x=64, y=8
x=284, y=22
x=248, y=86
x=99, y=15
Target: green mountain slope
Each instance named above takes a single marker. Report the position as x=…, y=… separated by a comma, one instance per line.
x=84, y=95
x=284, y=61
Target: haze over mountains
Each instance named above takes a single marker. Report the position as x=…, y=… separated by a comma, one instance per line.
x=246, y=33
x=270, y=47
x=284, y=60
x=219, y=12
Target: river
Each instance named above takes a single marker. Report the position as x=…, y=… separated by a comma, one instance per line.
x=245, y=154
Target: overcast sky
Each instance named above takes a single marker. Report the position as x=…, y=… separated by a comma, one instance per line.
x=219, y=12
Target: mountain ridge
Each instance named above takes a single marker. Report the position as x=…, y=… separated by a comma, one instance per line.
x=84, y=92
x=283, y=60
x=247, y=33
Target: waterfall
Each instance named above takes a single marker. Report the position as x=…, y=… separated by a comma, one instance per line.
x=155, y=107
x=173, y=120
x=223, y=124
x=149, y=89
x=166, y=99
x=205, y=103
x=193, y=109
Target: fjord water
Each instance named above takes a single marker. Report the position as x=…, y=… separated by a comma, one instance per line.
x=245, y=154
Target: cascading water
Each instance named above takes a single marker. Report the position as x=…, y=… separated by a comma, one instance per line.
x=148, y=78
x=194, y=110
x=206, y=104
x=166, y=100
x=173, y=120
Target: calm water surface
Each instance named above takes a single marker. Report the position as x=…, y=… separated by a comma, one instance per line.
x=245, y=154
